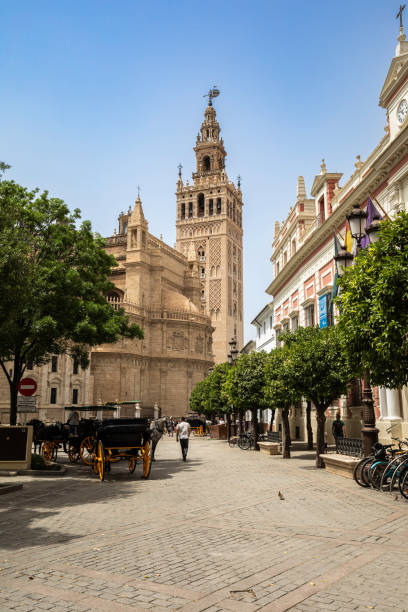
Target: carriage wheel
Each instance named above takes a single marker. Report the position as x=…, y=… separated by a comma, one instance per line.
x=86, y=450
x=131, y=464
x=100, y=458
x=47, y=450
x=147, y=460
x=73, y=452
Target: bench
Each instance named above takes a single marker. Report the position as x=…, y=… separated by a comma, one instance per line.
x=269, y=448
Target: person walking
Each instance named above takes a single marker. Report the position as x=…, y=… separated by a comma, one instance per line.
x=338, y=428
x=183, y=431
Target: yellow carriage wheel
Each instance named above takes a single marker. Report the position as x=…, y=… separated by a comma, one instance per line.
x=86, y=450
x=147, y=460
x=47, y=450
x=100, y=458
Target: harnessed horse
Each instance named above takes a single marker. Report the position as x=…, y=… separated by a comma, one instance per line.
x=156, y=433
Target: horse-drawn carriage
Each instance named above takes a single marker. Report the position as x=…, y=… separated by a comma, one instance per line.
x=198, y=425
x=49, y=439
x=127, y=439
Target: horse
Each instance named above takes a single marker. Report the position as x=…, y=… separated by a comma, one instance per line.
x=156, y=433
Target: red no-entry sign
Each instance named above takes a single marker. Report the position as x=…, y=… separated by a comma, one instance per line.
x=27, y=386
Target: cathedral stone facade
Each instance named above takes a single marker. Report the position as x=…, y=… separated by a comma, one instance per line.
x=188, y=300
x=209, y=224
x=159, y=288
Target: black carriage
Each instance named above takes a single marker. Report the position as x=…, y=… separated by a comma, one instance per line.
x=127, y=439
x=198, y=425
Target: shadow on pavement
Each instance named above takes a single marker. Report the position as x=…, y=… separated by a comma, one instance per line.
x=30, y=517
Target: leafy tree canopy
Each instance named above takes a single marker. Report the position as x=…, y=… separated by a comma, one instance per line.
x=199, y=398
x=245, y=384
x=373, y=306
x=316, y=365
x=54, y=275
x=278, y=390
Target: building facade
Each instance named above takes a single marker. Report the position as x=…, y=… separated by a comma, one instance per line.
x=303, y=246
x=159, y=289
x=209, y=224
x=265, y=339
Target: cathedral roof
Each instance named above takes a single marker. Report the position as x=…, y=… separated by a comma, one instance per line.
x=172, y=300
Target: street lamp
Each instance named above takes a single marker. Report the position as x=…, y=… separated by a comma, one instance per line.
x=357, y=218
x=232, y=357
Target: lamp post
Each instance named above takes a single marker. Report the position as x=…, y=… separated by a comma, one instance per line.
x=232, y=357
x=344, y=260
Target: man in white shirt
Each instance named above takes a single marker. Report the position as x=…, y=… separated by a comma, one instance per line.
x=183, y=430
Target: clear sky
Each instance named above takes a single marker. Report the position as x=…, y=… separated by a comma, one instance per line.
x=99, y=96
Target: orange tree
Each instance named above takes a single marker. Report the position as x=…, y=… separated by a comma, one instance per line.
x=279, y=392
x=245, y=386
x=318, y=368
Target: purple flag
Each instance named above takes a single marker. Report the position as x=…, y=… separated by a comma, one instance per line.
x=372, y=213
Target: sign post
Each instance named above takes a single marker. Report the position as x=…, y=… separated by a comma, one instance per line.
x=27, y=386
x=26, y=402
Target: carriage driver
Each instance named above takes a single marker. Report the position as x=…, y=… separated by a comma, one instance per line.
x=73, y=422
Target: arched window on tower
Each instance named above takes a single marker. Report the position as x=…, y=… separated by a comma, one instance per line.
x=201, y=254
x=200, y=201
x=206, y=163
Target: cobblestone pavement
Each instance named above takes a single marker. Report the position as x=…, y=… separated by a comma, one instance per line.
x=208, y=535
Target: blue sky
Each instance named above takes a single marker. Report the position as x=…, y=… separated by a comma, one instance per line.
x=98, y=97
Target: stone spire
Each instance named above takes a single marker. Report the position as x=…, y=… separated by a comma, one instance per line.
x=323, y=168
x=137, y=217
x=301, y=189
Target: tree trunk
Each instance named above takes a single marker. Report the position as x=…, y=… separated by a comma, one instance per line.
x=272, y=419
x=255, y=426
x=320, y=443
x=286, y=434
x=309, y=425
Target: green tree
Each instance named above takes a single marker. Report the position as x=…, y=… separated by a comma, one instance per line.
x=245, y=386
x=199, y=398
x=279, y=392
x=53, y=278
x=208, y=396
x=217, y=396
x=373, y=306
x=317, y=368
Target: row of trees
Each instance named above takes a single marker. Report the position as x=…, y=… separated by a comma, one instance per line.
x=54, y=275
x=318, y=364
x=312, y=364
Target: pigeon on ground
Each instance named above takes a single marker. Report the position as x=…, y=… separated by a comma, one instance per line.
x=280, y=495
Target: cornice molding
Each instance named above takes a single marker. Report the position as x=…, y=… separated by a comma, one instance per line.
x=379, y=172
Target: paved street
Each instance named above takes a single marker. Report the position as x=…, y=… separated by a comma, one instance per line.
x=210, y=534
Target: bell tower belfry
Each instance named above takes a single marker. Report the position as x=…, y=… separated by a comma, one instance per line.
x=209, y=219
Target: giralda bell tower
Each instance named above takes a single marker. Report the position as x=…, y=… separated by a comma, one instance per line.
x=209, y=229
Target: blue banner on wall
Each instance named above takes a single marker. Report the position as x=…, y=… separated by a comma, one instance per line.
x=323, y=311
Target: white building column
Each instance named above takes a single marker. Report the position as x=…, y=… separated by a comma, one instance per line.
x=393, y=404
x=383, y=402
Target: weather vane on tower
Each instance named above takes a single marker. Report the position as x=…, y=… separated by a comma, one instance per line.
x=213, y=93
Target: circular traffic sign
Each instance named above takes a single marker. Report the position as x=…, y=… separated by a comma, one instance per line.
x=27, y=386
